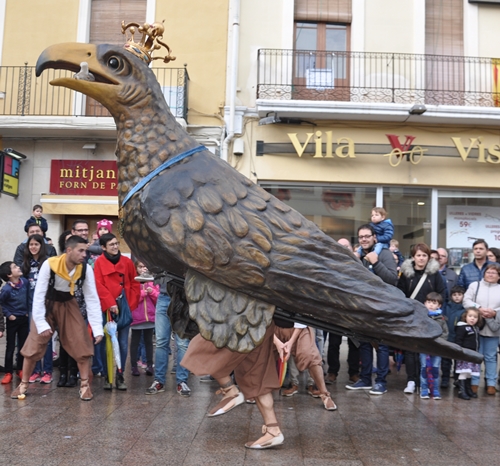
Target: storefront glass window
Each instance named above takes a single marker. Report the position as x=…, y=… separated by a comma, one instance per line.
x=464, y=217
x=337, y=210
x=410, y=211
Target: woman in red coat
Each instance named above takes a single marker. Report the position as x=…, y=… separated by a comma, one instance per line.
x=114, y=274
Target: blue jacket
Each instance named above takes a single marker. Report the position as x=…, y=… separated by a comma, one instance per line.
x=384, y=231
x=39, y=221
x=453, y=314
x=15, y=300
x=470, y=273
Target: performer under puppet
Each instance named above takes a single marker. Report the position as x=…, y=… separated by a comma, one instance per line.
x=242, y=251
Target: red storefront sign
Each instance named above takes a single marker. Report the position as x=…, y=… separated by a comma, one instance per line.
x=86, y=177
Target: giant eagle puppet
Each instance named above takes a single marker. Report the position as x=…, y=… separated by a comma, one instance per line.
x=242, y=251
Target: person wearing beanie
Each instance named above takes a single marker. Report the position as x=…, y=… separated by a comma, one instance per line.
x=103, y=227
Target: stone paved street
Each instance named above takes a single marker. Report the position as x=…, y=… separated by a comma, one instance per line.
x=53, y=427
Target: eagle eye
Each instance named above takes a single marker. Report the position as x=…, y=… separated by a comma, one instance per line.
x=114, y=63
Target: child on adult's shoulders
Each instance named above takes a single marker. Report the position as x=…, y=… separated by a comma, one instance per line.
x=384, y=230
x=37, y=219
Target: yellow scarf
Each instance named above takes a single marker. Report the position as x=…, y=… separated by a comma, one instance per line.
x=58, y=266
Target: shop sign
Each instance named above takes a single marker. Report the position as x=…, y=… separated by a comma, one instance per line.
x=465, y=224
x=84, y=177
x=326, y=146
x=10, y=175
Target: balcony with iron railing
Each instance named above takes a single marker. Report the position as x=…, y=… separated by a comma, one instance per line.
x=389, y=78
x=24, y=94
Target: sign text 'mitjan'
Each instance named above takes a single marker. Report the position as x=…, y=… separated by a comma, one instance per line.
x=84, y=177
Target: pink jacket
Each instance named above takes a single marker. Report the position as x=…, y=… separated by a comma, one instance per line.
x=145, y=311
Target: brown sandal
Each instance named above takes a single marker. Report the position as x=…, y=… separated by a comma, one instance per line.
x=85, y=392
x=226, y=404
x=20, y=392
x=276, y=440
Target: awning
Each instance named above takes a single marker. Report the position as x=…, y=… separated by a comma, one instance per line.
x=79, y=205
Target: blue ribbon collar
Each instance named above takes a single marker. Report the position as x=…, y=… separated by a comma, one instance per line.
x=158, y=170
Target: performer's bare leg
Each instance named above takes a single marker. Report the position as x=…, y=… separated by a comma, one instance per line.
x=28, y=367
x=231, y=398
x=272, y=433
x=85, y=392
x=317, y=375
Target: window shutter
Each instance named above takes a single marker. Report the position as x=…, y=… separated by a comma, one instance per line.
x=328, y=11
x=444, y=27
x=107, y=16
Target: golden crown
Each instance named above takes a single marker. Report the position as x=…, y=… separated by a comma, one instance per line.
x=147, y=45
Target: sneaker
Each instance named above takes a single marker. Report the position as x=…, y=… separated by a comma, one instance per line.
x=424, y=394
x=135, y=372
x=436, y=395
x=155, y=388
x=378, y=389
x=410, y=388
x=173, y=370
x=207, y=379
x=35, y=378
x=313, y=391
x=7, y=378
x=330, y=378
x=183, y=389
x=46, y=379
x=359, y=385
x=141, y=365
x=107, y=384
x=290, y=391
x=150, y=370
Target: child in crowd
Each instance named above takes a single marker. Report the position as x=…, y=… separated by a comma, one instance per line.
x=394, y=248
x=95, y=249
x=467, y=336
x=15, y=302
x=383, y=227
x=37, y=218
x=429, y=364
x=144, y=319
x=453, y=313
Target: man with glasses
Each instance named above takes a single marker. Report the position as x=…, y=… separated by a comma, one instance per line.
x=115, y=274
x=384, y=266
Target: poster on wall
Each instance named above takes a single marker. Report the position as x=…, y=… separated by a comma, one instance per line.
x=10, y=175
x=465, y=224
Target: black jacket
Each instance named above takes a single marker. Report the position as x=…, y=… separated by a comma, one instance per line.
x=467, y=336
x=410, y=277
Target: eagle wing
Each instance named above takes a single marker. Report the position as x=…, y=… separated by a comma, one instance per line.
x=240, y=237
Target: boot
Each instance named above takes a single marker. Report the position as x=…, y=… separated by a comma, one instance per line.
x=72, y=379
x=468, y=388
x=120, y=382
x=462, y=392
x=63, y=377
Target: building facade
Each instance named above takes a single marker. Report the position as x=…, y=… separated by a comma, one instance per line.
x=68, y=140
x=351, y=104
